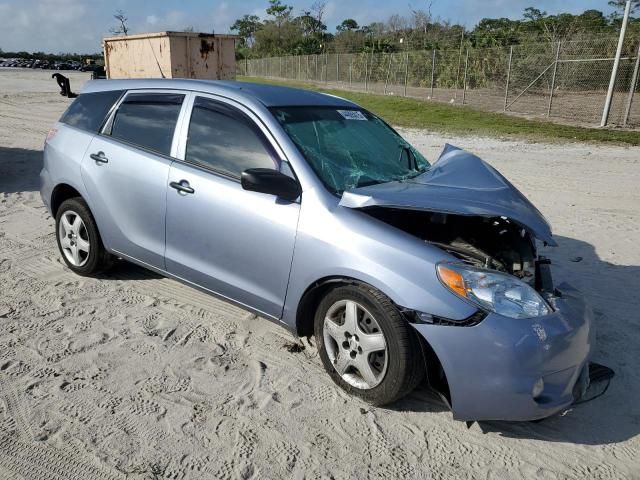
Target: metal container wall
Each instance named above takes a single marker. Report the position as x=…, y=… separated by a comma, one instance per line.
x=171, y=55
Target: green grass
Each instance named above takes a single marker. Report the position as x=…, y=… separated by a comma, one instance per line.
x=413, y=113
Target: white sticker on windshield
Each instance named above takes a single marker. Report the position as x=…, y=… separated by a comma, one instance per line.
x=352, y=114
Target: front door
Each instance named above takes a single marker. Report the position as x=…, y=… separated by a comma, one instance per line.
x=236, y=243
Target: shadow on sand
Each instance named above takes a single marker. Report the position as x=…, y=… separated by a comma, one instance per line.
x=19, y=170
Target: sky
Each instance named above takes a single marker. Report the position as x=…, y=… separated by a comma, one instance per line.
x=57, y=26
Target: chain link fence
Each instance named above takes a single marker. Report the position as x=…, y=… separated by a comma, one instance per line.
x=562, y=80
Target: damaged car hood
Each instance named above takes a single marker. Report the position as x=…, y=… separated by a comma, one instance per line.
x=458, y=183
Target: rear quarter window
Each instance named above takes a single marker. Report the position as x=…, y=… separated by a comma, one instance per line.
x=88, y=111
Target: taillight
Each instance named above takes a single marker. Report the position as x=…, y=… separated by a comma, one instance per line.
x=51, y=134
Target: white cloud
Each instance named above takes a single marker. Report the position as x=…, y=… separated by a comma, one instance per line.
x=152, y=19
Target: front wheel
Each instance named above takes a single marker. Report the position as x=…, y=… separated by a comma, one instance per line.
x=366, y=346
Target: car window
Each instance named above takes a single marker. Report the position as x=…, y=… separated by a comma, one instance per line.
x=224, y=139
x=148, y=120
x=87, y=112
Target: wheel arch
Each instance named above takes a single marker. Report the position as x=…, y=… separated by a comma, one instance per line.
x=436, y=375
x=60, y=193
x=64, y=191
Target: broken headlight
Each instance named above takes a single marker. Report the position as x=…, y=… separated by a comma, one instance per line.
x=499, y=292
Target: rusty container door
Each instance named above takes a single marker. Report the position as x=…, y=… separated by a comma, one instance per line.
x=209, y=57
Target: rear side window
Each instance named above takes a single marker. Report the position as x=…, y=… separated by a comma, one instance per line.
x=225, y=140
x=148, y=120
x=87, y=112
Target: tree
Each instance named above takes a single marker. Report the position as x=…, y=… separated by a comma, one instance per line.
x=273, y=40
x=317, y=12
x=494, y=32
x=348, y=25
x=122, y=28
x=280, y=12
x=247, y=26
x=310, y=25
x=421, y=21
x=620, y=5
x=533, y=14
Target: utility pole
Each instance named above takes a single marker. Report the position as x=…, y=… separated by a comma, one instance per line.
x=616, y=63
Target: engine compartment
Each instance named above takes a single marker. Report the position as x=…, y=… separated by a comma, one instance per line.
x=488, y=242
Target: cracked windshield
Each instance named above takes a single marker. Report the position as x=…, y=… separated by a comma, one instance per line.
x=350, y=148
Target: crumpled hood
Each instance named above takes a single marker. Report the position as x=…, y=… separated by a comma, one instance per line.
x=458, y=183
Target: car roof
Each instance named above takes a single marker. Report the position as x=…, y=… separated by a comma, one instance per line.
x=268, y=95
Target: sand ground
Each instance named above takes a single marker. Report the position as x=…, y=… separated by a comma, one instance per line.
x=132, y=375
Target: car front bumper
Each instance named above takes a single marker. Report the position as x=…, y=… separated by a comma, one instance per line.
x=494, y=369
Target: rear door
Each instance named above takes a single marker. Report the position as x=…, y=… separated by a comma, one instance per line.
x=236, y=243
x=125, y=172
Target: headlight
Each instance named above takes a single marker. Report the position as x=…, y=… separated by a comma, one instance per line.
x=495, y=291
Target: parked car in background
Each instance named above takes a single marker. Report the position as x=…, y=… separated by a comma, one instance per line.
x=314, y=213
x=92, y=67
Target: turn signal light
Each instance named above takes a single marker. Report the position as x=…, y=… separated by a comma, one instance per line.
x=453, y=280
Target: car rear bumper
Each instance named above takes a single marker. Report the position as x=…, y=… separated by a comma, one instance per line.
x=494, y=367
x=46, y=188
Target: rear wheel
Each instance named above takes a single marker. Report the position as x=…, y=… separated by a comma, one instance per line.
x=78, y=238
x=366, y=346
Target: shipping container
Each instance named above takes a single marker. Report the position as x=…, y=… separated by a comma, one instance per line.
x=171, y=55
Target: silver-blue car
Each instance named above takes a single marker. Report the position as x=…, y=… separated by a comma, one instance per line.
x=314, y=213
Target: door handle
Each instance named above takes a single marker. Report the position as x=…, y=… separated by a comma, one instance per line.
x=182, y=186
x=99, y=157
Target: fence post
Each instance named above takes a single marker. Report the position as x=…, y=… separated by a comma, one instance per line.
x=386, y=78
x=280, y=67
x=464, y=81
x=326, y=67
x=315, y=76
x=506, y=89
x=632, y=88
x=350, y=70
x=455, y=93
x=299, y=67
x=337, y=67
x=406, y=72
x=366, y=72
x=433, y=71
x=553, y=80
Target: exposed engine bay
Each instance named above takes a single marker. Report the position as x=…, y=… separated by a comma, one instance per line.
x=487, y=242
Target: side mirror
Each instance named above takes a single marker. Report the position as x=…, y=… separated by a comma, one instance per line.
x=273, y=182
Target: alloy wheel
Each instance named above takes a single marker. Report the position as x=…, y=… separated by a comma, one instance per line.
x=355, y=344
x=74, y=238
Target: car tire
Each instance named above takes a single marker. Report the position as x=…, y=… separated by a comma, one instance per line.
x=389, y=373
x=78, y=238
